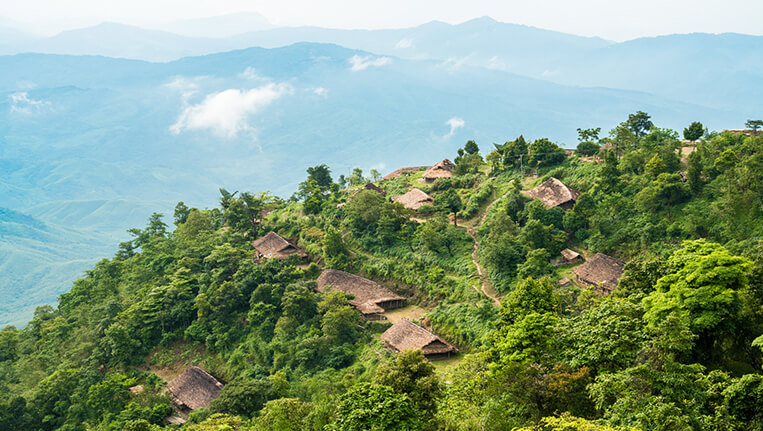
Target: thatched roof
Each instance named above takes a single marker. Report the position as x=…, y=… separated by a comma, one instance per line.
x=443, y=169
x=368, y=294
x=400, y=171
x=600, y=270
x=414, y=199
x=374, y=187
x=274, y=245
x=570, y=254
x=406, y=335
x=554, y=193
x=194, y=388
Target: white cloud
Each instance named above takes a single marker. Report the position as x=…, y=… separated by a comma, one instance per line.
x=363, y=63
x=404, y=43
x=455, y=123
x=227, y=113
x=549, y=73
x=21, y=103
x=251, y=74
x=320, y=91
x=455, y=63
x=186, y=87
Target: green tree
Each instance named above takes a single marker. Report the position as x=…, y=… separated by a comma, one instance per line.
x=694, y=131
x=754, y=125
x=537, y=264
x=287, y=414
x=375, y=175
x=412, y=374
x=367, y=407
x=450, y=202
x=243, y=397
x=638, y=123
x=335, y=253
x=543, y=152
x=471, y=147
x=181, y=213
x=321, y=174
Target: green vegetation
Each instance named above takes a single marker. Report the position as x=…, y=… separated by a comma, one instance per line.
x=677, y=346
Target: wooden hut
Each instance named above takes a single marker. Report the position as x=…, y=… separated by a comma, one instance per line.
x=370, y=298
x=414, y=199
x=194, y=389
x=406, y=335
x=570, y=257
x=443, y=169
x=274, y=245
x=398, y=173
x=601, y=271
x=554, y=193
x=374, y=187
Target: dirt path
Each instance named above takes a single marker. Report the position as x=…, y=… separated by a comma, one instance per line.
x=486, y=286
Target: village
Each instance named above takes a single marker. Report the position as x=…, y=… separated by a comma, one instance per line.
x=195, y=388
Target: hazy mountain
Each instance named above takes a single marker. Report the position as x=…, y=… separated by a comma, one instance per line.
x=38, y=261
x=711, y=70
x=218, y=26
x=96, y=144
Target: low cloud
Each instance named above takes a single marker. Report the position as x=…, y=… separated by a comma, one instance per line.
x=362, y=63
x=227, y=113
x=185, y=86
x=404, y=43
x=549, y=73
x=251, y=74
x=320, y=91
x=22, y=103
x=455, y=123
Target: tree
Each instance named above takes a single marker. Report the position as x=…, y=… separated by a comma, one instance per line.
x=181, y=213
x=537, y=264
x=702, y=287
x=375, y=175
x=655, y=166
x=335, y=254
x=529, y=295
x=321, y=174
x=356, y=178
x=368, y=407
x=588, y=135
x=754, y=125
x=638, y=123
x=412, y=374
x=245, y=212
x=449, y=201
x=286, y=414
x=543, y=152
x=694, y=131
x=588, y=148
x=471, y=147
x=243, y=397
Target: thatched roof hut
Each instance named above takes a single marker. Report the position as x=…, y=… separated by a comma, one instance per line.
x=554, y=193
x=274, y=245
x=374, y=187
x=401, y=171
x=414, y=199
x=571, y=256
x=443, y=169
x=600, y=270
x=406, y=335
x=194, y=389
x=370, y=298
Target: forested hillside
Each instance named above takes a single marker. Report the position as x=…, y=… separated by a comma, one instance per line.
x=673, y=342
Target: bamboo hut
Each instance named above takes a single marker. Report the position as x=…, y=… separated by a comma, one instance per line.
x=554, y=193
x=601, y=271
x=406, y=335
x=274, y=245
x=414, y=199
x=194, y=389
x=370, y=298
x=443, y=169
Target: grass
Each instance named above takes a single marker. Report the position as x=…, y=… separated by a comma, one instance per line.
x=410, y=312
x=443, y=365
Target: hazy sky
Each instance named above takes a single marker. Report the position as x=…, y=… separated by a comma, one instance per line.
x=611, y=19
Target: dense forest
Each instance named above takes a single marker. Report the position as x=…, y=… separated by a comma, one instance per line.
x=675, y=346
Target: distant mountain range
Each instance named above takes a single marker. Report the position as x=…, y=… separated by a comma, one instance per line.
x=91, y=145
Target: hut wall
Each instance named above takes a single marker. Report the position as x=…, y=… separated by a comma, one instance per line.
x=388, y=305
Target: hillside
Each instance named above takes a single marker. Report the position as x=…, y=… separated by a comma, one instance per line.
x=101, y=143
x=668, y=338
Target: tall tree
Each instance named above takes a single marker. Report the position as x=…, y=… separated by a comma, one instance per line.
x=639, y=123
x=694, y=131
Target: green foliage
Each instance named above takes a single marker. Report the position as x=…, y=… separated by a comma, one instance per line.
x=543, y=152
x=694, y=131
x=638, y=123
x=367, y=407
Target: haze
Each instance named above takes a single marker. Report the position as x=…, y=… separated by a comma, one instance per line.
x=611, y=20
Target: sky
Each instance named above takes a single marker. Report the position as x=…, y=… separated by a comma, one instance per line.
x=611, y=19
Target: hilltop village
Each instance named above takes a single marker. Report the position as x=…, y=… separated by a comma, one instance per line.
x=517, y=286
